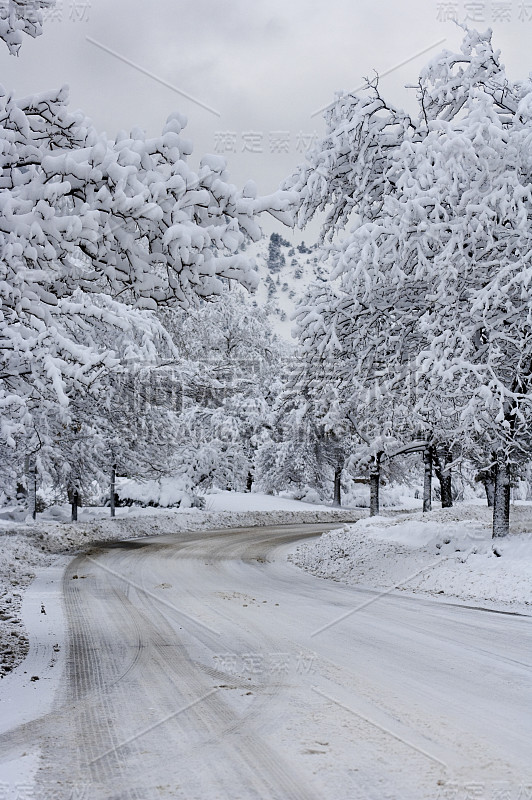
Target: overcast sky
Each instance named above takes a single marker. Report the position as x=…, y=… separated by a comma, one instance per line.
x=249, y=75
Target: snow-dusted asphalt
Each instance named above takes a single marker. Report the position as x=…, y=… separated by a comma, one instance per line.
x=205, y=666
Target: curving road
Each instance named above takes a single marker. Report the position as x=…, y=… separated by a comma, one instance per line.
x=206, y=666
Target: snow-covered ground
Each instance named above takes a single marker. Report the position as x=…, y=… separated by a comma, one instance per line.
x=215, y=501
x=449, y=553
x=349, y=679
x=27, y=546
x=27, y=693
x=20, y=557
x=204, y=665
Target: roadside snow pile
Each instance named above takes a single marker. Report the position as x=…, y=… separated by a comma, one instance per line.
x=393, y=496
x=19, y=557
x=166, y=492
x=448, y=552
x=171, y=492
x=219, y=500
x=60, y=537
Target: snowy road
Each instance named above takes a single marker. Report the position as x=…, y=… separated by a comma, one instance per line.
x=206, y=666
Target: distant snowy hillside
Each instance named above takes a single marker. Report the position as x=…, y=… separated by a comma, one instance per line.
x=285, y=270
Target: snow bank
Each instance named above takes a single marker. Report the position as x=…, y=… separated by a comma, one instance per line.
x=20, y=557
x=166, y=492
x=392, y=496
x=59, y=537
x=448, y=553
x=240, y=501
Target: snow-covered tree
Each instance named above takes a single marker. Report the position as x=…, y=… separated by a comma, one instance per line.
x=352, y=168
x=306, y=446
x=294, y=457
x=21, y=16
x=434, y=280
x=94, y=233
x=276, y=258
x=471, y=192
x=231, y=384
x=346, y=361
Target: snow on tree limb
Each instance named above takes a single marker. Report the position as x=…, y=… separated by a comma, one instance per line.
x=432, y=292
x=21, y=16
x=95, y=233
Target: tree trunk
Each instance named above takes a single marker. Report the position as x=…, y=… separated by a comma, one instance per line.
x=34, y=491
x=337, y=500
x=374, y=482
x=501, y=500
x=488, y=477
x=112, y=490
x=427, y=480
x=24, y=485
x=442, y=458
x=489, y=487
x=249, y=482
x=446, y=490
x=75, y=503
x=31, y=494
